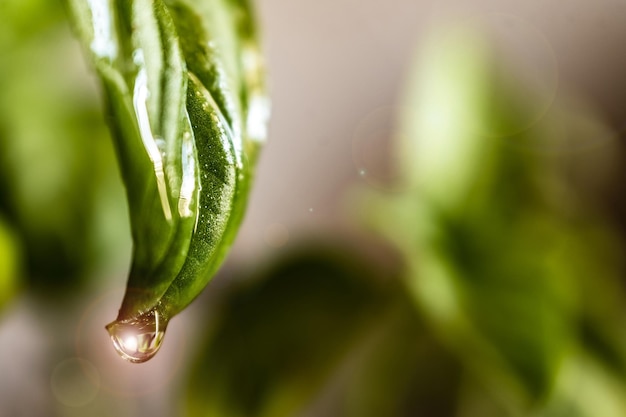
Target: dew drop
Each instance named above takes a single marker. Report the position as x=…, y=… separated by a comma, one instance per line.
x=138, y=339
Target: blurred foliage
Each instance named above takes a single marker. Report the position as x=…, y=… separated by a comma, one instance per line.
x=511, y=266
x=320, y=333
x=9, y=263
x=58, y=186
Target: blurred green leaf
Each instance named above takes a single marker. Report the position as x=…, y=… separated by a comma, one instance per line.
x=10, y=259
x=55, y=158
x=320, y=333
x=499, y=248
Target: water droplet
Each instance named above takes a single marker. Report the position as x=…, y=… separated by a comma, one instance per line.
x=137, y=340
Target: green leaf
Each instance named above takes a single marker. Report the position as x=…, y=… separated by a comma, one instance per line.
x=183, y=95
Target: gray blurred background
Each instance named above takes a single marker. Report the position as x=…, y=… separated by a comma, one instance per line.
x=337, y=71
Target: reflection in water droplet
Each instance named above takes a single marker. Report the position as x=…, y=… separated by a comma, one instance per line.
x=139, y=339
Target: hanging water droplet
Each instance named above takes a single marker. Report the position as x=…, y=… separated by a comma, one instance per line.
x=138, y=339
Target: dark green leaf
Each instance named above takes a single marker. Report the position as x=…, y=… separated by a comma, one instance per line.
x=320, y=333
x=10, y=262
x=181, y=89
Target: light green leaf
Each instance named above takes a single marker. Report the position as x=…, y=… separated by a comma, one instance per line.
x=56, y=161
x=499, y=250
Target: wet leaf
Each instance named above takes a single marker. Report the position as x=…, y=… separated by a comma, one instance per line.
x=184, y=87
